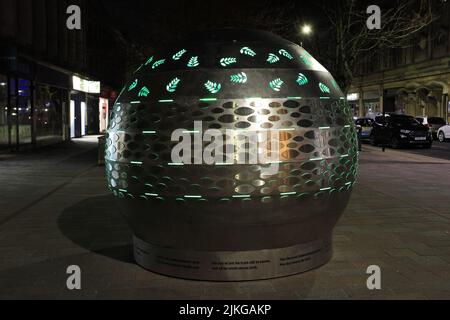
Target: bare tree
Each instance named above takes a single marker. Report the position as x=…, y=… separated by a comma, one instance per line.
x=352, y=40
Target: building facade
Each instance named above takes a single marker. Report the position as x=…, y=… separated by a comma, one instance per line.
x=53, y=86
x=414, y=80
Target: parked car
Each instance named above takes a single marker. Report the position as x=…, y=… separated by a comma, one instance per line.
x=400, y=130
x=444, y=133
x=433, y=123
x=366, y=125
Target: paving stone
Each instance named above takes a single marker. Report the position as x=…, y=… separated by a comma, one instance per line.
x=56, y=211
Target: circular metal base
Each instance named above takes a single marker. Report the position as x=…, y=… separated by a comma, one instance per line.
x=232, y=266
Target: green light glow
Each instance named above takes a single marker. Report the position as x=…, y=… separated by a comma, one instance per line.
x=302, y=79
x=179, y=54
x=213, y=87
x=295, y=98
x=288, y=193
x=158, y=63
x=239, y=78
x=273, y=58
x=286, y=54
x=335, y=85
x=208, y=99
x=248, y=52
x=324, y=88
x=133, y=85
x=173, y=85
x=144, y=92
x=149, y=61
x=193, y=62
x=224, y=62
x=306, y=58
x=276, y=84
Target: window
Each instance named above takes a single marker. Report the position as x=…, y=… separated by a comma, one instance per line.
x=3, y=112
x=48, y=109
x=437, y=121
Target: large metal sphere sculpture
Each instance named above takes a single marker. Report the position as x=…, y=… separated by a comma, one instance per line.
x=232, y=220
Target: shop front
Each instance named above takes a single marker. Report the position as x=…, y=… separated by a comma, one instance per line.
x=4, y=128
x=16, y=112
x=84, y=107
x=33, y=102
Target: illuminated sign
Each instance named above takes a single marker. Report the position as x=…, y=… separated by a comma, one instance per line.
x=353, y=97
x=84, y=85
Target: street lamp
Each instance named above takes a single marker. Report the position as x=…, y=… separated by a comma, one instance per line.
x=306, y=29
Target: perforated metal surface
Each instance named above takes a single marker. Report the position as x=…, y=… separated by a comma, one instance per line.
x=317, y=149
x=255, y=84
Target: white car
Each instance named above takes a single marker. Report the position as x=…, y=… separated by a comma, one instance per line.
x=444, y=133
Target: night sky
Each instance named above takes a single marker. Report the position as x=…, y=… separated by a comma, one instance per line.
x=151, y=23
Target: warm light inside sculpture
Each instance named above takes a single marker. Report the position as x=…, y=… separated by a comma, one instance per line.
x=232, y=220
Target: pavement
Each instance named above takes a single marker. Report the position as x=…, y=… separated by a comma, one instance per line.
x=55, y=211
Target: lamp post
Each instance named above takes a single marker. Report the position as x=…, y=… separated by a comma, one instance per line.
x=306, y=30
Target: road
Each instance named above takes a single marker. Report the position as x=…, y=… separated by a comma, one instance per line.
x=439, y=150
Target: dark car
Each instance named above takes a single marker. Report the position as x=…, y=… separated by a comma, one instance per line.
x=400, y=130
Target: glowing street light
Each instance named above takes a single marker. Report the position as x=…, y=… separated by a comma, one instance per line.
x=306, y=29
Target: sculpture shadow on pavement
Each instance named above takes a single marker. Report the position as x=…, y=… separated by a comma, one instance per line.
x=97, y=225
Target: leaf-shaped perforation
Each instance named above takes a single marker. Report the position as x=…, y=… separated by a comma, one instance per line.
x=239, y=78
x=158, y=63
x=302, y=79
x=144, y=92
x=324, y=88
x=173, y=85
x=133, y=85
x=273, y=58
x=306, y=58
x=225, y=62
x=150, y=60
x=179, y=54
x=286, y=54
x=276, y=84
x=193, y=62
x=213, y=87
x=248, y=52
